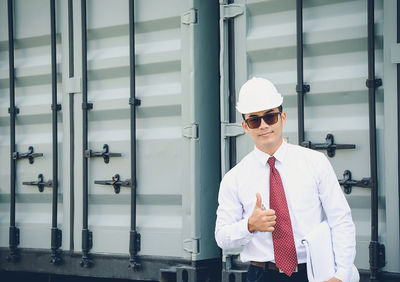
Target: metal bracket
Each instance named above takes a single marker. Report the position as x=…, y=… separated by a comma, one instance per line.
x=56, y=240
x=303, y=88
x=87, y=106
x=56, y=236
x=348, y=183
x=30, y=155
x=105, y=154
x=115, y=182
x=39, y=183
x=13, y=111
x=14, y=237
x=56, y=108
x=373, y=83
x=189, y=17
x=134, y=248
x=377, y=260
x=231, y=129
x=87, y=244
x=135, y=243
x=329, y=145
x=191, y=245
x=228, y=11
x=191, y=131
x=134, y=102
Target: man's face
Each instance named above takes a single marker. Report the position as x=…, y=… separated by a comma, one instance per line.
x=266, y=138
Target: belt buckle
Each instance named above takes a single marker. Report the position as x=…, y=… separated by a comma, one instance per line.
x=295, y=270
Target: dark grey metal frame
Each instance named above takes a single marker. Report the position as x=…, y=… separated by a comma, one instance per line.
x=153, y=268
x=232, y=86
x=71, y=124
x=134, y=236
x=87, y=241
x=398, y=105
x=301, y=88
x=55, y=232
x=376, y=250
x=13, y=111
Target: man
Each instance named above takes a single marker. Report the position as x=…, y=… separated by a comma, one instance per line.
x=277, y=194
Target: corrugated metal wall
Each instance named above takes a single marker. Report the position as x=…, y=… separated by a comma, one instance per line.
x=335, y=67
x=177, y=83
x=159, y=133
x=173, y=192
x=33, y=123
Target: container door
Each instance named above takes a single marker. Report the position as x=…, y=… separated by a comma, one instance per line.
x=159, y=134
x=335, y=67
x=177, y=138
x=33, y=125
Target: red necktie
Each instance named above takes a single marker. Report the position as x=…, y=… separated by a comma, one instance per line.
x=284, y=247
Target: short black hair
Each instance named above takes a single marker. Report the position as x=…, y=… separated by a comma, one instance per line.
x=280, y=108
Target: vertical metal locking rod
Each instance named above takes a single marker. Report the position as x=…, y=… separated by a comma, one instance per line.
x=71, y=125
x=55, y=232
x=86, y=234
x=232, y=88
x=398, y=105
x=13, y=231
x=300, y=82
x=374, y=244
x=134, y=235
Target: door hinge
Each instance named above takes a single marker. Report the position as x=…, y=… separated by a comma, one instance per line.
x=189, y=17
x=377, y=254
x=231, y=129
x=191, y=245
x=191, y=131
x=229, y=11
x=73, y=85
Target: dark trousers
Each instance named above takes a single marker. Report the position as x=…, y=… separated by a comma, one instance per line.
x=258, y=274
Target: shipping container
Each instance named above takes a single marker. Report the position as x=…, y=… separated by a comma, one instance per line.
x=172, y=67
x=261, y=38
x=118, y=121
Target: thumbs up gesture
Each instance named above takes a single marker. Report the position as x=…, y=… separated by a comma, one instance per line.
x=261, y=219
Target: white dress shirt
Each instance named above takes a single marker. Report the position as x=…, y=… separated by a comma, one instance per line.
x=312, y=193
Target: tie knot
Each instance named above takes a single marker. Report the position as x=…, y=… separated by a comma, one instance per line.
x=271, y=162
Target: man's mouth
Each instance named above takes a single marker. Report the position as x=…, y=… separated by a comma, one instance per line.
x=266, y=133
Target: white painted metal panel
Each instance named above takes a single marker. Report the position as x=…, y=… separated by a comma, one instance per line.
x=170, y=167
x=335, y=67
x=177, y=177
x=33, y=123
x=159, y=134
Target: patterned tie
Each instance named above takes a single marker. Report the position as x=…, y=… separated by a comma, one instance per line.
x=284, y=247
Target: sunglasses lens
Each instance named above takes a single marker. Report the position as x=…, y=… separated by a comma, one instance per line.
x=271, y=119
x=254, y=122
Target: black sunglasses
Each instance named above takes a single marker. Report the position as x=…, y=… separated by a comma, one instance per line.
x=269, y=118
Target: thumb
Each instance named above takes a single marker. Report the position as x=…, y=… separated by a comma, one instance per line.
x=259, y=201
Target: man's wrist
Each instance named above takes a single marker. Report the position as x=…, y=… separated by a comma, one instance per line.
x=250, y=226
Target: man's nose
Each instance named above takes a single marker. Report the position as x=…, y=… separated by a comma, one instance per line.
x=263, y=124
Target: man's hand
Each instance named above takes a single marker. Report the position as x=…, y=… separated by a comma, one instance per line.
x=261, y=219
x=334, y=279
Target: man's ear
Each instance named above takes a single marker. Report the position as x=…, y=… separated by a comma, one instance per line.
x=283, y=116
x=244, y=125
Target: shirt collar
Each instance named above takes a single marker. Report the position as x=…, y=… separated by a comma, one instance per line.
x=279, y=154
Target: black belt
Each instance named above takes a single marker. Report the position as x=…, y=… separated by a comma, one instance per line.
x=271, y=266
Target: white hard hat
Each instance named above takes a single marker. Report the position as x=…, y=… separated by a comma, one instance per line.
x=258, y=94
